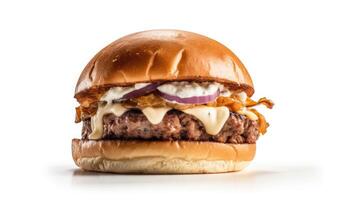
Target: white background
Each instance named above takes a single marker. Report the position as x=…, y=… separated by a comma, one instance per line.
x=301, y=54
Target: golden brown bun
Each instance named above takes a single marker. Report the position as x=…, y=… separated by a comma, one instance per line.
x=161, y=157
x=161, y=55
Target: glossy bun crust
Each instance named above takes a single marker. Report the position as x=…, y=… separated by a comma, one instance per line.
x=163, y=55
x=160, y=157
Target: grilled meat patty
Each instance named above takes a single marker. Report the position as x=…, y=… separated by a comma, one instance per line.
x=175, y=125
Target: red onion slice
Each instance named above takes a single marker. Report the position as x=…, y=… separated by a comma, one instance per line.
x=139, y=92
x=190, y=100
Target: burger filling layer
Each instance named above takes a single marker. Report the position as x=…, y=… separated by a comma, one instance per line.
x=205, y=111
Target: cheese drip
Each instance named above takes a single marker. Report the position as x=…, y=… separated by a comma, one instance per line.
x=97, y=119
x=213, y=118
x=155, y=115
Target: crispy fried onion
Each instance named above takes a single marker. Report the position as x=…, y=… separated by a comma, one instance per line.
x=266, y=102
x=263, y=124
x=83, y=112
x=235, y=104
x=152, y=100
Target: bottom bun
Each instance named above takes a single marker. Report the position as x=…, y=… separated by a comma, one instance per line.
x=160, y=157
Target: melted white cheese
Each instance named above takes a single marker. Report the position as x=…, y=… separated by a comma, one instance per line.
x=213, y=118
x=97, y=119
x=155, y=115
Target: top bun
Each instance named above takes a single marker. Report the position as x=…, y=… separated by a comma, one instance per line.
x=163, y=55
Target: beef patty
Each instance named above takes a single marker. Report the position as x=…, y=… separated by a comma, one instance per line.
x=175, y=125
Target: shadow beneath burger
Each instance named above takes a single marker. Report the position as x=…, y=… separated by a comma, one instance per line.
x=249, y=178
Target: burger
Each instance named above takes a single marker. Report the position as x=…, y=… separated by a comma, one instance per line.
x=166, y=101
